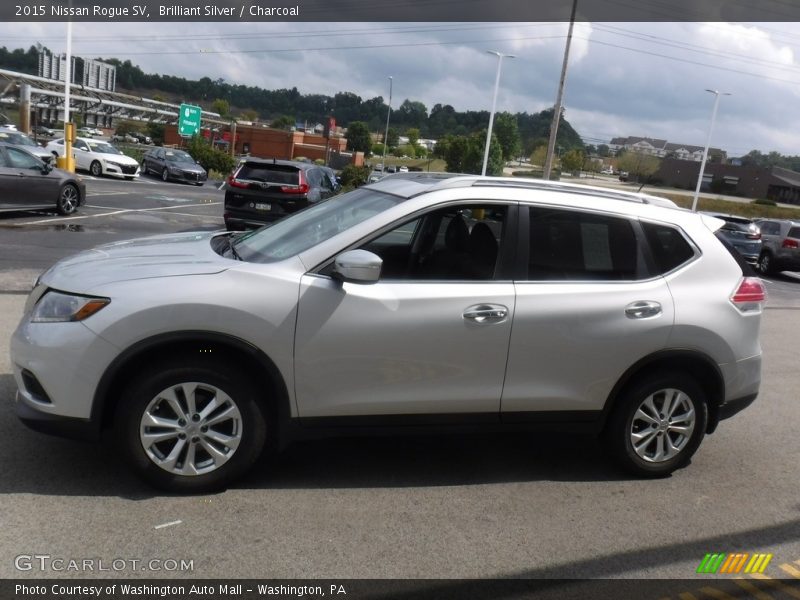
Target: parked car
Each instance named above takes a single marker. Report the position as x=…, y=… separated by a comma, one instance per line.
x=172, y=164
x=261, y=191
x=375, y=176
x=403, y=169
x=98, y=157
x=421, y=299
x=42, y=130
x=780, y=246
x=20, y=140
x=85, y=132
x=96, y=132
x=142, y=138
x=741, y=233
x=125, y=137
x=27, y=183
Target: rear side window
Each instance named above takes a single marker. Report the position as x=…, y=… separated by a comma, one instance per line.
x=794, y=232
x=668, y=246
x=283, y=174
x=571, y=245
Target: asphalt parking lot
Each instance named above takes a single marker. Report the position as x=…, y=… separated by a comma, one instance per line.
x=471, y=506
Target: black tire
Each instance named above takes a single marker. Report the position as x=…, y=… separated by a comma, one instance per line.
x=144, y=167
x=144, y=393
x=96, y=169
x=766, y=266
x=165, y=175
x=68, y=199
x=625, y=423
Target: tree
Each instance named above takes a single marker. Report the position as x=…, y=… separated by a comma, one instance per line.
x=392, y=138
x=358, y=137
x=413, y=136
x=221, y=106
x=473, y=157
x=640, y=166
x=282, y=122
x=603, y=150
x=538, y=156
x=507, y=132
x=572, y=161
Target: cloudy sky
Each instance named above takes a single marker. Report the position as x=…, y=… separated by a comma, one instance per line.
x=623, y=78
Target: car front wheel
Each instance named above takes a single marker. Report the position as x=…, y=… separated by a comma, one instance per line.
x=96, y=169
x=165, y=175
x=191, y=426
x=658, y=423
x=68, y=199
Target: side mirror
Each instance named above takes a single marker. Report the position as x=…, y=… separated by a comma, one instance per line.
x=46, y=168
x=357, y=266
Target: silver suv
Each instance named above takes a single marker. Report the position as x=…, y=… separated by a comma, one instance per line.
x=780, y=246
x=433, y=300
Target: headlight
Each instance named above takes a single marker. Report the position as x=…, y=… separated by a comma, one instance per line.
x=57, y=307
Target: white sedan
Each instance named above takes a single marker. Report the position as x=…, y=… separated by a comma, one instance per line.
x=98, y=157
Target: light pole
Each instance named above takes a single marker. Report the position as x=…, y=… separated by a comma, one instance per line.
x=500, y=56
x=717, y=94
x=386, y=135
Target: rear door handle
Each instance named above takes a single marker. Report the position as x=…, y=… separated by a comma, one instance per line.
x=642, y=309
x=485, y=313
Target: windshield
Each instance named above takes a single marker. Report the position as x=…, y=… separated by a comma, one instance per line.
x=314, y=225
x=13, y=137
x=179, y=156
x=103, y=148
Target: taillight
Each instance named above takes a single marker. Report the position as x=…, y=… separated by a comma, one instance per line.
x=750, y=294
x=233, y=182
x=302, y=186
x=790, y=243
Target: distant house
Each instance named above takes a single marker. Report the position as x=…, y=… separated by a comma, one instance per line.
x=662, y=148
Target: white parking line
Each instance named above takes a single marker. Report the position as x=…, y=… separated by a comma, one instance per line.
x=115, y=212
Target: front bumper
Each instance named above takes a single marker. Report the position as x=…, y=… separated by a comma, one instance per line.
x=68, y=427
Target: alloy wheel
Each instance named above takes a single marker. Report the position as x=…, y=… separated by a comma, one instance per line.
x=191, y=428
x=662, y=425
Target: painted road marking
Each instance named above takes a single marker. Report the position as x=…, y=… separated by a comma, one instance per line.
x=115, y=212
x=757, y=593
x=789, y=591
x=794, y=572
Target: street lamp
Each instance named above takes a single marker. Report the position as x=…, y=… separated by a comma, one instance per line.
x=500, y=56
x=386, y=135
x=717, y=94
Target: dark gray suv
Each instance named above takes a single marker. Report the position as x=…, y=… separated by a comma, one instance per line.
x=261, y=191
x=780, y=246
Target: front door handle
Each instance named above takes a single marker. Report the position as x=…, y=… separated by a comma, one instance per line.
x=485, y=313
x=643, y=309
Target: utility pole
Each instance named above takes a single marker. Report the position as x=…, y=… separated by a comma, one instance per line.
x=551, y=144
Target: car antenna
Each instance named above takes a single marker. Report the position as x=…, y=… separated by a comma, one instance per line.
x=640, y=188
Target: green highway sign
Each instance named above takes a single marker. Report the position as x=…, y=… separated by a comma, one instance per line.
x=189, y=120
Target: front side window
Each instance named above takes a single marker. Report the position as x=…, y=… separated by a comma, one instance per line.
x=576, y=246
x=22, y=160
x=453, y=243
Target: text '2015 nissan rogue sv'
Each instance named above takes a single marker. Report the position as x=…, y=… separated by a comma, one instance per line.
x=421, y=299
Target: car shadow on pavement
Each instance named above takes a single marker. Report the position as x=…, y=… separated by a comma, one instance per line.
x=36, y=463
x=434, y=460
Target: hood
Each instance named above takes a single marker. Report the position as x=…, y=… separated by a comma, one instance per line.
x=143, y=258
x=120, y=159
x=185, y=166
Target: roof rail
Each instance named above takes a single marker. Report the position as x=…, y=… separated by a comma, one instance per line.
x=572, y=188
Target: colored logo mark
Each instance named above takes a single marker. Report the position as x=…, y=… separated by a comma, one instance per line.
x=739, y=562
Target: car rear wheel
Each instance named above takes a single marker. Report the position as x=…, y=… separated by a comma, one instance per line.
x=165, y=175
x=658, y=423
x=765, y=265
x=191, y=426
x=68, y=199
x=96, y=168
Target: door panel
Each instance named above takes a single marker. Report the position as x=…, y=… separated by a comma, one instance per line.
x=572, y=341
x=399, y=348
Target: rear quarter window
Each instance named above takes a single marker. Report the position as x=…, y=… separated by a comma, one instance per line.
x=668, y=247
x=794, y=232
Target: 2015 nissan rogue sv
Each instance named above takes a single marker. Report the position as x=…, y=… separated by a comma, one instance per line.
x=422, y=298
